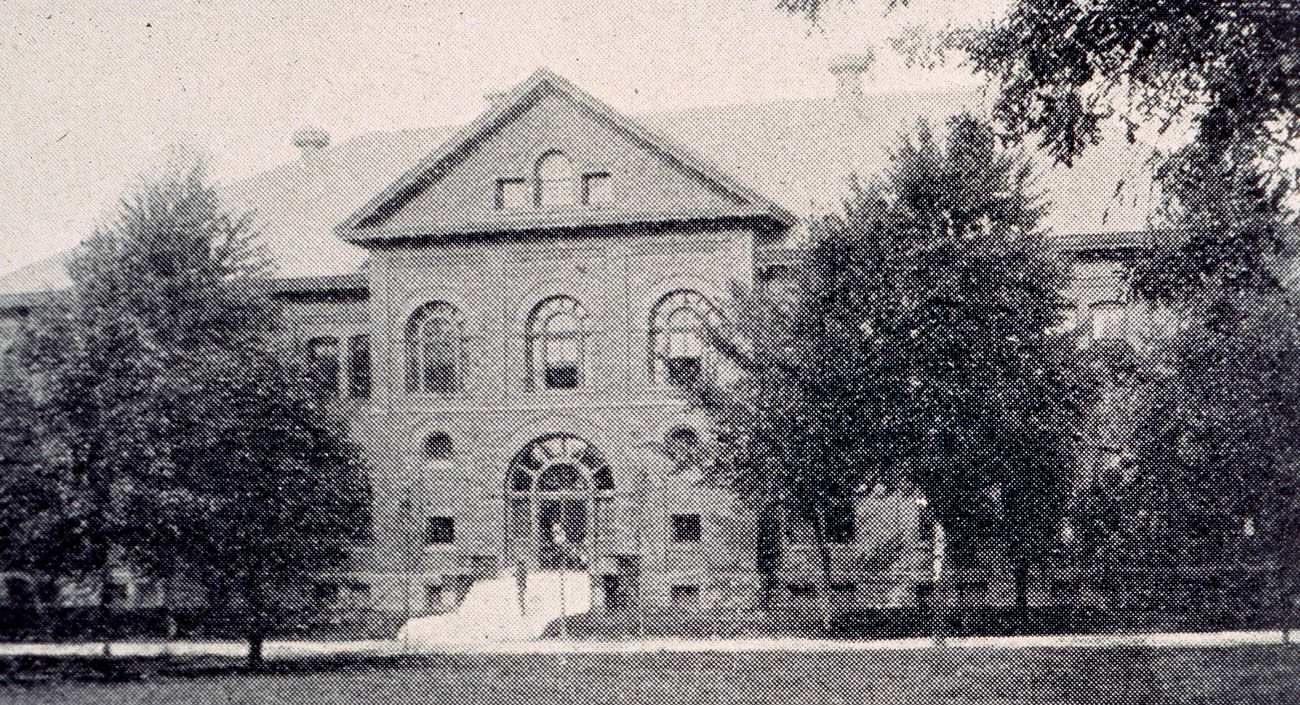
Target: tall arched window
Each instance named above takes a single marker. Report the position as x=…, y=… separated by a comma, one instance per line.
x=679, y=350
x=557, y=184
x=557, y=343
x=435, y=349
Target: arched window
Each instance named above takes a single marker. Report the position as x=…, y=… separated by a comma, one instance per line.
x=679, y=351
x=556, y=181
x=435, y=349
x=557, y=342
x=559, y=485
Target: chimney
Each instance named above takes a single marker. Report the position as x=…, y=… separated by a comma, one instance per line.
x=311, y=140
x=848, y=70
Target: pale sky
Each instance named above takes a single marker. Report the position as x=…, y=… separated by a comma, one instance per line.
x=91, y=92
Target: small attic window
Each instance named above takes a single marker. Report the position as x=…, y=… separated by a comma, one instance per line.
x=597, y=189
x=555, y=181
x=512, y=194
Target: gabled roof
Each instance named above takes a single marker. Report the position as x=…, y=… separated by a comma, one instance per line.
x=370, y=224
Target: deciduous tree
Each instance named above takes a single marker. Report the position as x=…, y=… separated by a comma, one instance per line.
x=921, y=352
x=181, y=438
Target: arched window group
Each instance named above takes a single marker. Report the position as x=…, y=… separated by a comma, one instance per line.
x=557, y=343
x=555, y=182
x=680, y=352
x=557, y=335
x=435, y=349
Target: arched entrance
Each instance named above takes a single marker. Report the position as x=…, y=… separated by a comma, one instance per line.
x=559, y=491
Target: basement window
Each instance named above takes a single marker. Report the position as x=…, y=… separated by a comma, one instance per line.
x=440, y=531
x=435, y=598
x=686, y=528
x=685, y=596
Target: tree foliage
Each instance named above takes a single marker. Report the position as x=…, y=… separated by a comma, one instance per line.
x=180, y=439
x=1228, y=68
x=284, y=494
x=27, y=494
x=920, y=352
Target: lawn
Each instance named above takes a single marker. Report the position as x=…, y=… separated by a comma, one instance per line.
x=1263, y=674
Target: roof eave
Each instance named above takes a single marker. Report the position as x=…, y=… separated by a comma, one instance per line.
x=763, y=217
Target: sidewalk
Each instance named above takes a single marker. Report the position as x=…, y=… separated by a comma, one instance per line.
x=307, y=649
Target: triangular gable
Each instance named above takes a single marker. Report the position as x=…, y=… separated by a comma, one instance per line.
x=413, y=208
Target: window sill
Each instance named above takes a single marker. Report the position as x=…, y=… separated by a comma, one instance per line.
x=440, y=548
x=813, y=547
x=435, y=396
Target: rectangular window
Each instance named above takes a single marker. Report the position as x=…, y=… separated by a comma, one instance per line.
x=113, y=594
x=924, y=594
x=597, y=189
x=512, y=194
x=839, y=518
x=359, y=367
x=434, y=598
x=686, y=528
x=925, y=525
x=615, y=599
x=685, y=596
x=440, y=531
x=562, y=377
x=801, y=590
x=323, y=357
x=683, y=371
x=326, y=594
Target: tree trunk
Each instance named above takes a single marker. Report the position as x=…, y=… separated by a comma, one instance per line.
x=105, y=617
x=257, y=619
x=255, y=642
x=939, y=579
x=169, y=619
x=768, y=554
x=824, y=565
x=1020, y=581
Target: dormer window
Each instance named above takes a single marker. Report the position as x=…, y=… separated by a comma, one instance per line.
x=512, y=194
x=556, y=182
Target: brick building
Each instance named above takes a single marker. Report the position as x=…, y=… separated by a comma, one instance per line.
x=507, y=306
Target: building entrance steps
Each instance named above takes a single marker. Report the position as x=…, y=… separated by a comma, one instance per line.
x=492, y=613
